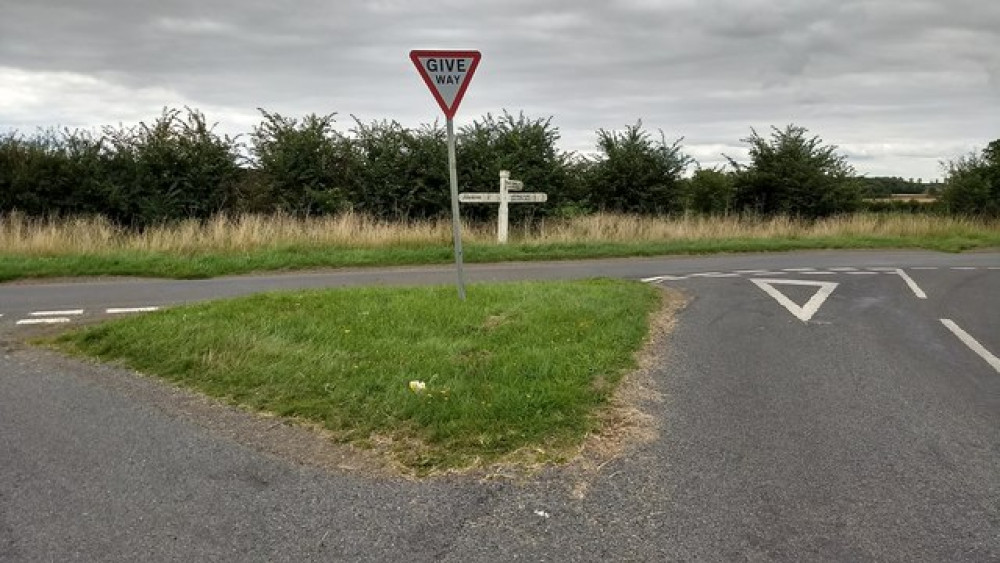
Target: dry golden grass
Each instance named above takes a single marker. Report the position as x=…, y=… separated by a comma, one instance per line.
x=25, y=236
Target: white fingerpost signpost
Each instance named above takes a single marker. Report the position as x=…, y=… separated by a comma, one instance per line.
x=503, y=198
x=447, y=74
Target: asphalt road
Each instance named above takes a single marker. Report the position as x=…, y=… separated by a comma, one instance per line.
x=869, y=431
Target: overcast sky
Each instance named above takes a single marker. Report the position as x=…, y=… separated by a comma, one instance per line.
x=897, y=84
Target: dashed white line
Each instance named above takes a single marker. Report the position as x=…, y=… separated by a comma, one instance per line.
x=750, y=271
x=43, y=321
x=819, y=273
x=861, y=273
x=56, y=313
x=882, y=269
x=973, y=345
x=772, y=274
x=798, y=269
x=122, y=310
x=993, y=268
x=655, y=279
x=963, y=268
x=844, y=269
x=924, y=268
x=913, y=285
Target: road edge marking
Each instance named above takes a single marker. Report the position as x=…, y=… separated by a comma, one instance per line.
x=972, y=343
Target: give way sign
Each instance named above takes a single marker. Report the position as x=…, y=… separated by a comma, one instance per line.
x=447, y=74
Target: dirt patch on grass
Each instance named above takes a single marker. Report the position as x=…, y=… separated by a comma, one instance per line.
x=627, y=421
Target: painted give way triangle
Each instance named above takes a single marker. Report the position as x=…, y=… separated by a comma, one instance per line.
x=802, y=312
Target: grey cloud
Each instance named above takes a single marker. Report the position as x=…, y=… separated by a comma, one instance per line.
x=857, y=72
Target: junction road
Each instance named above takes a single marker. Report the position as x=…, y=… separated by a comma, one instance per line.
x=821, y=406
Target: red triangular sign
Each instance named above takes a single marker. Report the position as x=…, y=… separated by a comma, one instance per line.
x=447, y=74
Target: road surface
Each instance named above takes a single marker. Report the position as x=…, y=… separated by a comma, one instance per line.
x=821, y=406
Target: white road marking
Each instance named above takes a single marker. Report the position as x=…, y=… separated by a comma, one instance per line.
x=882, y=269
x=963, y=268
x=655, y=279
x=913, y=285
x=121, y=310
x=750, y=271
x=993, y=268
x=924, y=268
x=806, y=311
x=819, y=273
x=844, y=269
x=772, y=274
x=862, y=273
x=972, y=344
x=56, y=313
x=44, y=321
x=798, y=269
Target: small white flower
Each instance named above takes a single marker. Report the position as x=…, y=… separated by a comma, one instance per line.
x=417, y=386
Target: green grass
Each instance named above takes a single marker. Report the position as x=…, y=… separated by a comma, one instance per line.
x=299, y=257
x=517, y=368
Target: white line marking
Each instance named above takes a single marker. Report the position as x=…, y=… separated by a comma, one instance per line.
x=882, y=269
x=924, y=268
x=45, y=321
x=993, y=268
x=913, y=285
x=844, y=269
x=121, y=310
x=705, y=275
x=963, y=268
x=798, y=269
x=655, y=279
x=972, y=344
x=805, y=312
x=750, y=271
x=56, y=313
x=772, y=274
x=819, y=273
x=862, y=273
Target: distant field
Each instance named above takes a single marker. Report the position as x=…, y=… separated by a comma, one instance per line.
x=920, y=198
x=249, y=243
x=519, y=371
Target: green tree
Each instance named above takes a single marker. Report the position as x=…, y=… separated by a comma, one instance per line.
x=53, y=172
x=524, y=146
x=794, y=174
x=972, y=182
x=637, y=173
x=305, y=166
x=177, y=167
x=709, y=191
x=402, y=173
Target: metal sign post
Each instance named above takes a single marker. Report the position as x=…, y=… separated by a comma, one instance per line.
x=456, y=224
x=448, y=74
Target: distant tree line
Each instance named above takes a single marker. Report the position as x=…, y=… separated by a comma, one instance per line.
x=177, y=167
